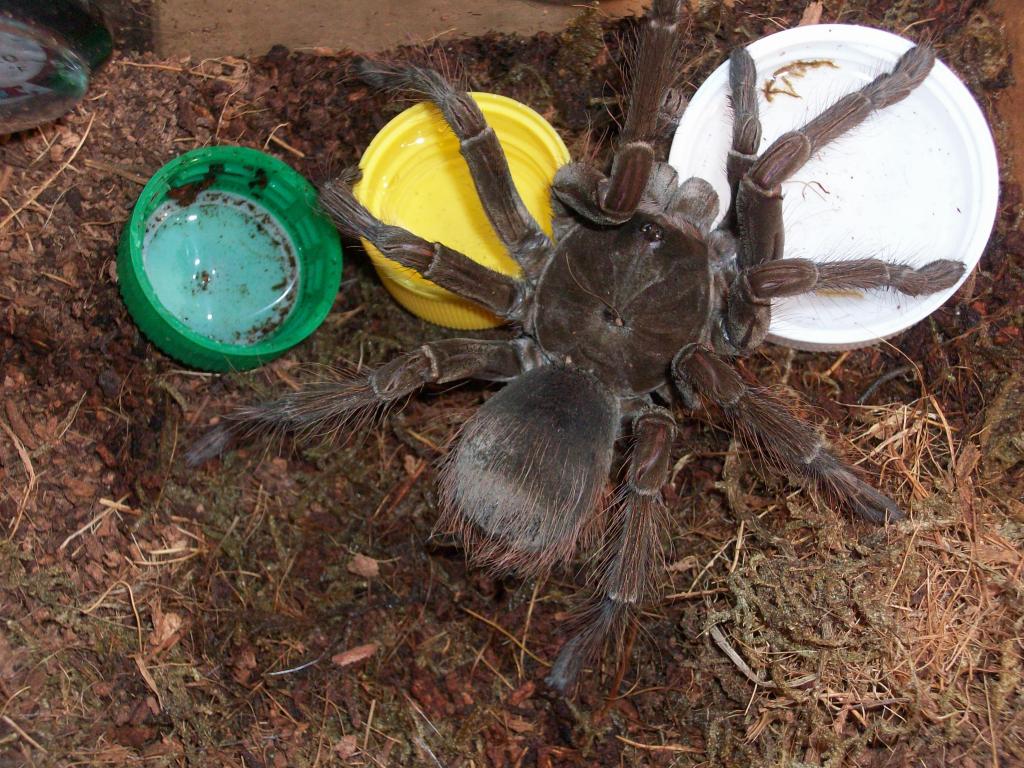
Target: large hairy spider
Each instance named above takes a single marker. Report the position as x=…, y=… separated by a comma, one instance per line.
x=636, y=305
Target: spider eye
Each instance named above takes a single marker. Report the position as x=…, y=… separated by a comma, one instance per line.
x=651, y=232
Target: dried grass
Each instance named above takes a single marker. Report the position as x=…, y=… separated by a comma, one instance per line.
x=911, y=634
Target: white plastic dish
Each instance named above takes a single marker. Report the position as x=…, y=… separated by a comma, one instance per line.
x=917, y=181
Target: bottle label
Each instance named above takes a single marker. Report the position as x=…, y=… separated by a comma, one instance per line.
x=22, y=61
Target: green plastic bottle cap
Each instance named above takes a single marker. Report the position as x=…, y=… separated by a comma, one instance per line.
x=227, y=261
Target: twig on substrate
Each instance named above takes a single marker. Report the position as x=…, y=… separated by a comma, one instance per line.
x=26, y=462
x=723, y=644
x=49, y=180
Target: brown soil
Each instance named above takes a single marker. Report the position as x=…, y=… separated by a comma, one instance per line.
x=288, y=609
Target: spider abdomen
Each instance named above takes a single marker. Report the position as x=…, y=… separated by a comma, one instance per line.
x=525, y=480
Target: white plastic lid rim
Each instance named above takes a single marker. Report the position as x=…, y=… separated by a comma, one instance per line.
x=916, y=182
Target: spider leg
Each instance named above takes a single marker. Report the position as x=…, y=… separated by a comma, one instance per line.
x=635, y=552
x=450, y=269
x=511, y=220
x=746, y=124
x=652, y=98
x=748, y=312
x=654, y=107
x=758, y=201
x=323, y=409
x=786, y=442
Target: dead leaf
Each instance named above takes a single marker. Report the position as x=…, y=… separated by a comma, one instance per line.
x=812, y=14
x=243, y=665
x=354, y=655
x=364, y=566
x=686, y=564
x=165, y=625
x=115, y=754
x=519, y=725
x=346, y=747
x=148, y=677
x=83, y=489
x=996, y=552
x=412, y=464
x=522, y=693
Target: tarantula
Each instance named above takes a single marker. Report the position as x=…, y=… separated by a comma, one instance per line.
x=635, y=305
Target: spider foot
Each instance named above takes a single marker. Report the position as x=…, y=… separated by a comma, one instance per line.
x=598, y=623
x=784, y=441
x=318, y=410
x=838, y=480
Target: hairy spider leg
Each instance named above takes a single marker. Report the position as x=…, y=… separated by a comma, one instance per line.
x=746, y=125
x=654, y=105
x=633, y=548
x=480, y=148
x=755, y=213
x=759, y=195
x=501, y=294
x=784, y=441
x=324, y=409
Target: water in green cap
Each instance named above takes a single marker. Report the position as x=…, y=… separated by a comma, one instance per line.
x=222, y=265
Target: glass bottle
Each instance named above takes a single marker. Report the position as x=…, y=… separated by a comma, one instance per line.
x=48, y=51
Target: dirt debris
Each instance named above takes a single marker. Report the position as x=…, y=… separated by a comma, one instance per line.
x=185, y=617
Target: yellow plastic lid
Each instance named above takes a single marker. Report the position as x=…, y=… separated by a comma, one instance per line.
x=413, y=176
